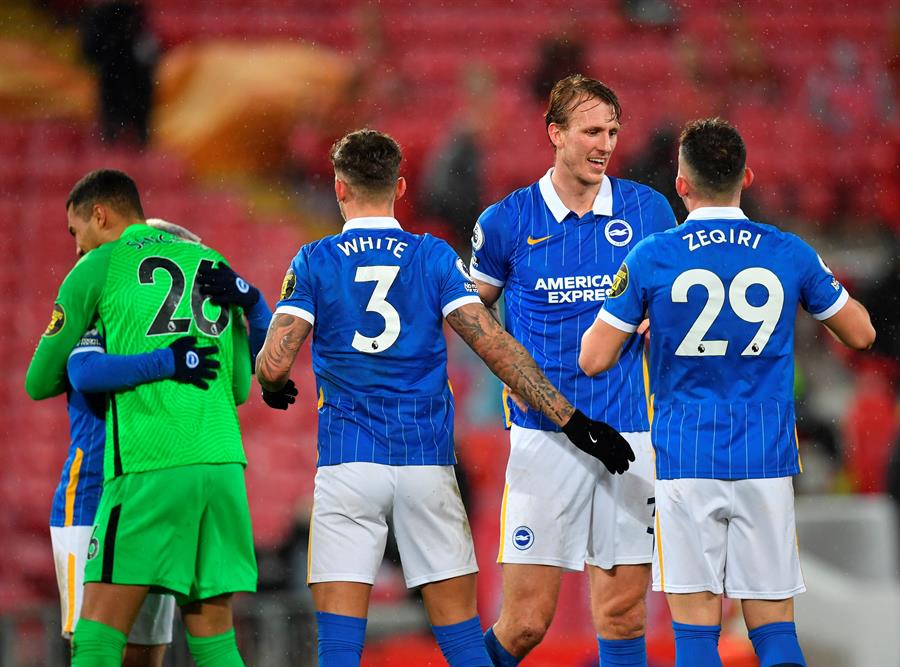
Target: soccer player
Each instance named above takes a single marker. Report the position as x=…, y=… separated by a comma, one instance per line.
x=375, y=298
x=722, y=294
x=78, y=493
x=173, y=515
x=552, y=249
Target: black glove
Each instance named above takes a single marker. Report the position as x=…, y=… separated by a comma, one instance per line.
x=599, y=440
x=193, y=364
x=282, y=398
x=224, y=287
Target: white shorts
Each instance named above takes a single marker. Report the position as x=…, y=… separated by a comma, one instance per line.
x=561, y=507
x=153, y=624
x=352, y=503
x=739, y=533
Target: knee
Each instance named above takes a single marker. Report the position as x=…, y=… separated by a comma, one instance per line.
x=525, y=632
x=621, y=618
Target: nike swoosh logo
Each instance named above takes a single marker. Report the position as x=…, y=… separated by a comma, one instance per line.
x=593, y=439
x=531, y=240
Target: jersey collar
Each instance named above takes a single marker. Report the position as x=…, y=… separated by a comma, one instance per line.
x=716, y=213
x=372, y=223
x=603, y=202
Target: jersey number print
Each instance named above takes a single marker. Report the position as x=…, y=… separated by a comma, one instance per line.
x=766, y=314
x=164, y=323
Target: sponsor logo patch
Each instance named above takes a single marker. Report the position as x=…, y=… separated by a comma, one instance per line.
x=288, y=284
x=57, y=320
x=620, y=282
x=477, y=237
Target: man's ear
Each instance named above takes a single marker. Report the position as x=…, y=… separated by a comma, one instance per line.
x=554, y=131
x=341, y=191
x=100, y=213
x=401, y=188
x=748, y=178
x=682, y=187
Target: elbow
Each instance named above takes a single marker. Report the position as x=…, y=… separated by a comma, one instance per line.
x=863, y=340
x=594, y=364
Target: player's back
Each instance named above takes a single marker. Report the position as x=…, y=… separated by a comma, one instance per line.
x=149, y=299
x=377, y=297
x=723, y=293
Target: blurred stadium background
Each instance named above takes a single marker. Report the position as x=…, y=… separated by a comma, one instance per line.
x=248, y=95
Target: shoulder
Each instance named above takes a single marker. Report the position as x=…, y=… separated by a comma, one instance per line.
x=638, y=191
x=510, y=207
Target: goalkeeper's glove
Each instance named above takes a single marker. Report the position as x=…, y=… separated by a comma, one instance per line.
x=599, y=440
x=282, y=398
x=193, y=365
x=224, y=287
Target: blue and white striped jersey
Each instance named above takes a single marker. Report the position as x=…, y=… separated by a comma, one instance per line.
x=555, y=270
x=722, y=295
x=377, y=297
x=81, y=483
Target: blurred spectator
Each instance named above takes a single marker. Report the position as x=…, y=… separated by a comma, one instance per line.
x=115, y=39
x=845, y=95
x=657, y=167
x=650, y=13
x=452, y=189
x=559, y=56
x=748, y=72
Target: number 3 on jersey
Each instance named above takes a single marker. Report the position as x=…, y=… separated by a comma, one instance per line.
x=383, y=277
x=164, y=323
x=766, y=315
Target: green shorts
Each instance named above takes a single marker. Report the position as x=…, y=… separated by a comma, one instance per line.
x=183, y=530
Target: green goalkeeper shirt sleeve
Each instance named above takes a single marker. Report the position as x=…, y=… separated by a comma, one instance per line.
x=74, y=311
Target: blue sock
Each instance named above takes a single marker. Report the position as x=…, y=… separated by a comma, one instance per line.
x=776, y=644
x=622, y=652
x=500, y=656
x=697, y=645
x=341, y=639
x=462, y=643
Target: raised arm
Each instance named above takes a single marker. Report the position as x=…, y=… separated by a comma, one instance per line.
x=601, y=346
x=852, y=325
x=509, y=361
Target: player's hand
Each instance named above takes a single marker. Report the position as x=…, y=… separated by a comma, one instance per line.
x=281, y=399
x=644, y=328
x=193, y=365
x=599, y=440
x=523, y=406
x=224, y=287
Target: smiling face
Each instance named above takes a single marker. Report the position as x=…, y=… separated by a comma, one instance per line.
x=586, y=143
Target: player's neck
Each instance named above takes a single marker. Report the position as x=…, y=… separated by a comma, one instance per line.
x=372, y=211
x=720, y=202
x=576, y=195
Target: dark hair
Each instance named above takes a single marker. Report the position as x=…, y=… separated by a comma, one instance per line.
x=568, y=93
x=367, y=160
x=112, y=187
x=715, y=153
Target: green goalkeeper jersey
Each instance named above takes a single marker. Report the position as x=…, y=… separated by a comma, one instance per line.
x=140, y=292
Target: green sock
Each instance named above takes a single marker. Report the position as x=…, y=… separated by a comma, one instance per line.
x=216, y=651
x=96, y=644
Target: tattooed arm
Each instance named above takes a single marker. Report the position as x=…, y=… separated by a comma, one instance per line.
x=286, y=335
x=509, y=361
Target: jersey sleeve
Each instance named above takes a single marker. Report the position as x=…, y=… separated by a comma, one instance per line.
x=91, y=370
x=491, y=245
x=74, y=311
x=296, y=289
x=258, y=318
x=821, y=294
x=240, y=378
x=456, y=285
x=625, y=304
